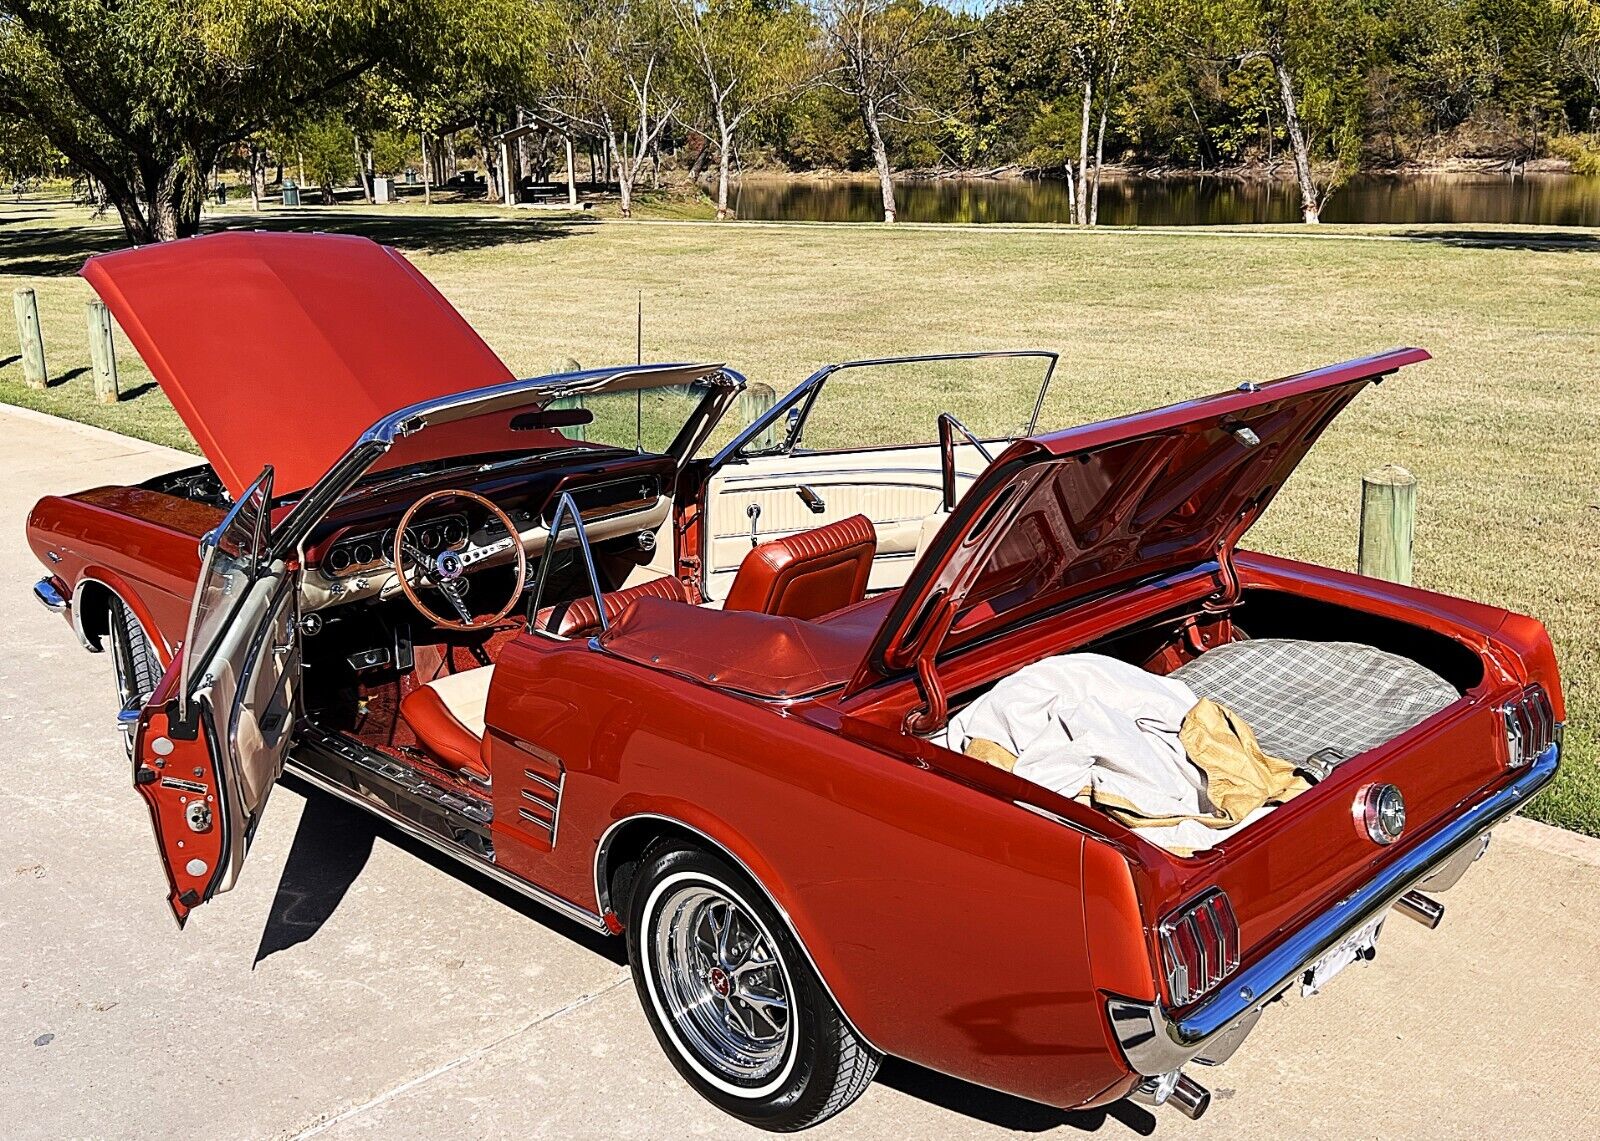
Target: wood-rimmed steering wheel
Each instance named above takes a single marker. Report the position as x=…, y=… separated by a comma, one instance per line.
x=444, y=571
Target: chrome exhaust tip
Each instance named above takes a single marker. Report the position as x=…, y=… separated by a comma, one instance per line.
x=1176, y=1089
x=1426, y=911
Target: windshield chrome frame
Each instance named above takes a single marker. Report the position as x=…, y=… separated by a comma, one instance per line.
x=310, y=509
x=808, y=390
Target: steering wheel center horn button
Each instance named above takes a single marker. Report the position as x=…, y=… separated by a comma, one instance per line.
x=1380, y=811
x=447, y=566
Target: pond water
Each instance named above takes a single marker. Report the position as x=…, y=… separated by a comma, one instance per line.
x=1534, y=199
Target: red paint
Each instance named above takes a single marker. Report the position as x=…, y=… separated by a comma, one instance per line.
x=284, y=348
x=955, y=928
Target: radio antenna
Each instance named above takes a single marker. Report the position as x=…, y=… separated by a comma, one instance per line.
x=638, y=331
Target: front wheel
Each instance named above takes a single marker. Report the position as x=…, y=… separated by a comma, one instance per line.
x=733, y=1000
x=137, y=667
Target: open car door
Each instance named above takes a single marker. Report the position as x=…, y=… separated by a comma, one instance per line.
x=212, y=740
x=867, y=438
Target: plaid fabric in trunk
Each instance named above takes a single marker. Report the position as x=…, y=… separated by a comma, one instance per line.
x=1303, y=698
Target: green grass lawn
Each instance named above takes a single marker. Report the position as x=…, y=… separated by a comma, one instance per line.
x=1502, y=428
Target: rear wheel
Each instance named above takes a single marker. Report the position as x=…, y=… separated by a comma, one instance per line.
x=134, y=657
x=733, y=1000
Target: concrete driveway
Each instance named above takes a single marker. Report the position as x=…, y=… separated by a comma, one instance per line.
x=349, y=986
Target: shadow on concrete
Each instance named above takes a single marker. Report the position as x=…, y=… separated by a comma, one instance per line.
x=1003, y=1110
x=330, y=848
x=337, y=840
x=1507, y=240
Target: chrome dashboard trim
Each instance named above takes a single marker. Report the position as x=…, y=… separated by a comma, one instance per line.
x=1156, y=1042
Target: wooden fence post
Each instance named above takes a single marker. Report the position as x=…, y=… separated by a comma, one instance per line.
x=1388, y=521
x=26, y=306
x=102, y=353
x=754, y=402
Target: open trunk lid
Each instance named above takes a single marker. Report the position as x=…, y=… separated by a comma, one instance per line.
x=1059, y=519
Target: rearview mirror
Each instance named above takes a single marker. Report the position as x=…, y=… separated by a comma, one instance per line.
x=551, y=418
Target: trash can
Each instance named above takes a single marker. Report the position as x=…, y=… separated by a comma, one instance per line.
x=380, y=191
x=291, y=193
x=411, y=176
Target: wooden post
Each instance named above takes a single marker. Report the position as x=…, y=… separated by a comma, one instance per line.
x=1388, y=520
x=754, y=402
x=26, y=306
x=102, y=353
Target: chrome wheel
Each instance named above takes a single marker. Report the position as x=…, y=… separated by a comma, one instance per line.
x=726, y=991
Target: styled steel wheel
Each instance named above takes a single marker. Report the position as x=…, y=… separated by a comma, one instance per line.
x=133, y=656
x=726, y=991
x=733, y=999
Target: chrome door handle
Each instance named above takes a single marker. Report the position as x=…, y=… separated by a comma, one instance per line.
x=754, y=514
x=808, y=496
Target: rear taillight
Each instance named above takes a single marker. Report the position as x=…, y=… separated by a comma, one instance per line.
x=1199, y=946
x=1531, y=726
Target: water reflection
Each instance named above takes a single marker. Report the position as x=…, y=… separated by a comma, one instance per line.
x=1536, y=199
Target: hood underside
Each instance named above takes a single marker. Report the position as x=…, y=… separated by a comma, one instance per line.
x=1063, y=518
x=284, y=348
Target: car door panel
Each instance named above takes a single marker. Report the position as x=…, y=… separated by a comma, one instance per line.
x=897, y=488
x=211, y=742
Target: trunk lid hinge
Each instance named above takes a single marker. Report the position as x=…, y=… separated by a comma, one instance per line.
x=934, y=712
x=1226, y=595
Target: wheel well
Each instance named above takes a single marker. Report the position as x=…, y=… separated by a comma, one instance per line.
x=624, y=851
x=93, y=612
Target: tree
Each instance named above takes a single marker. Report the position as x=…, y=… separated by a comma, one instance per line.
x=620, y=76
x=746, y=55
x=881, y=52
x=144, y=97
x=1314, y=49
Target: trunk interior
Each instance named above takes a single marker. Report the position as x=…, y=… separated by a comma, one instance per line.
x=1164, y=645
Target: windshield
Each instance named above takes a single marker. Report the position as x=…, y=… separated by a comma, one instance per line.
x=645, y=420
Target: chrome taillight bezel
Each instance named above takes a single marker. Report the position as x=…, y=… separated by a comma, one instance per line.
x=1199, y=946
x=1530, y=726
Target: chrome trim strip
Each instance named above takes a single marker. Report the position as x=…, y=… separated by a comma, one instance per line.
x=602, y=899
x=46, y=591
x=562, y=907
x=1155, y=1043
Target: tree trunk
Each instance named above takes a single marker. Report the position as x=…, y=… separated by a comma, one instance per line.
x=1082, y=216
x=623, y=171
x=361, y=173
x=724, y=152
x=880, y=157
x=1072, y=191
x=427, y=170
x=1099, y=161
x=1310, y=203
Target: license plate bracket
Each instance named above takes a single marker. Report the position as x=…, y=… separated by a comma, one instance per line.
x=1361, y=945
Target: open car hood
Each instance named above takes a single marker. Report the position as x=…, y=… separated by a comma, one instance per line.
x=1078, y=514
x=285, y=348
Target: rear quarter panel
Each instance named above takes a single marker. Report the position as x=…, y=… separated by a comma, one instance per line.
x=948, y=924
x=141, y=544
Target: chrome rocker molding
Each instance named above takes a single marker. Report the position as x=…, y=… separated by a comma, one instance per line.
x=500, y=876
x=603, y=899
x=1156, y=1044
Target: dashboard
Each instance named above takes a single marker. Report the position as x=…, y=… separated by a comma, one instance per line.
x=619, y=494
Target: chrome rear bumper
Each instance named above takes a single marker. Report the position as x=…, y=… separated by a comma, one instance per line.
x=1155, y=1043
x=48, y=592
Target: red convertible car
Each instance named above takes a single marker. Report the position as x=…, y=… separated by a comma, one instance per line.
x=707, y=699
